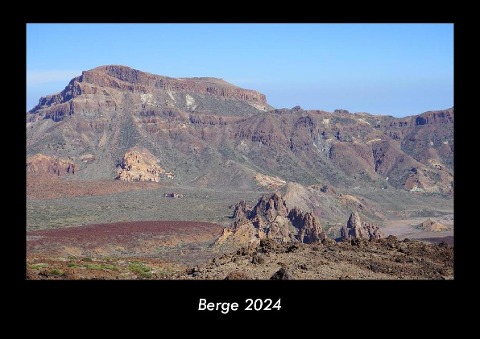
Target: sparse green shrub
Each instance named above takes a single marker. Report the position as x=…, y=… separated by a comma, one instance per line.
x=38, y=266
x=109, y=267
x=140, y=269
x=57, y=271
x=93, y=266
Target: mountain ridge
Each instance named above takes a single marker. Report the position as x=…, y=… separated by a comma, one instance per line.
x=103, y=79
x=197, y=127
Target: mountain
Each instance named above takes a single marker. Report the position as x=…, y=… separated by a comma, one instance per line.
x=205, y=132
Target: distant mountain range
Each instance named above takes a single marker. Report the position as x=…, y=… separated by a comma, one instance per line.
x=115, y=122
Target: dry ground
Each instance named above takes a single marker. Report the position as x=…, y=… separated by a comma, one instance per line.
x=184, y=251
x=51, y=187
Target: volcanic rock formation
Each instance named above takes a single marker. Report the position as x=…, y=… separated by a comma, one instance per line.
x=139, y=165
x=433, y=226
x=271, y=219
x=40, y=164
x=309, y=229
x=356, y=229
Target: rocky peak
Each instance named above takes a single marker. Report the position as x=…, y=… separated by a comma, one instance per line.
x=356, y=229
x=120, y=72
x=271, y=219
x=268, y=218
x=122, y=78
x=240, y=214
x=268, y=208
x=354, y=222
x=309, y=229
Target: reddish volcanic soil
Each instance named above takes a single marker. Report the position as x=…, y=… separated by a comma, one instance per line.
x=51, y=187
x=179, y=241
x=181, y=250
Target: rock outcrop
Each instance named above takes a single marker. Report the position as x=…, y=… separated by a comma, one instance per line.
x=356, y=229
x=271, y=219
x=40, y=164
x=309, y=229
x=433, y=226
x=139, y=165
x=272, y=183
x=281, y=274
x=435, y=117
x=240, y=214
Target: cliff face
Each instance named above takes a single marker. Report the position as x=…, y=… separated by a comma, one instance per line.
x=98, y=90
x=435, y=117
x=128, y=79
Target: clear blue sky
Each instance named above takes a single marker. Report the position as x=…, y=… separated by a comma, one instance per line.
x=395, y=69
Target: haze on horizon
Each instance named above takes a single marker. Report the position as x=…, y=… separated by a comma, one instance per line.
x=391, y=69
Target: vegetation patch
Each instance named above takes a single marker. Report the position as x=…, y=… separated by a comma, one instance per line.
x=109, y=267
x=164, y=272
x=94, y=266
x=38, y=266
x=140, y=269
x=57, y=272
